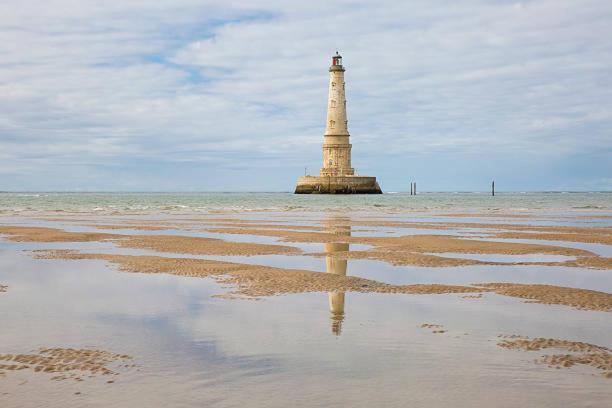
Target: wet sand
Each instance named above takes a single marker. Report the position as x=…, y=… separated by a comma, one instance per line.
x=404, y=250
x=586, y=238
x=602, y=235
x=555, y=295
x=66, y=363
x=404, y=247
x=44, y=234
x=137, y=227
x=161, y=243
x=418, y=249
x=202, y=246
x=575, y=352
x=256, y=280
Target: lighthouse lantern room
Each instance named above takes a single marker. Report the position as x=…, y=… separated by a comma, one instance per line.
x=337, y=59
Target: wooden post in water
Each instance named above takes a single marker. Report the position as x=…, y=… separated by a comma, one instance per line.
x=415, y=188
x=411, y=188
x=493, y=188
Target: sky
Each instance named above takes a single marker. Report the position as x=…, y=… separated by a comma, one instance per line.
x=206, y=95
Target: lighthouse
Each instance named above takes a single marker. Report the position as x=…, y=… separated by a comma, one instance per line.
x=337, y=175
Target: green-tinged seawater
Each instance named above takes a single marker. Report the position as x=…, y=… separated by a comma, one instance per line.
x=203, y=202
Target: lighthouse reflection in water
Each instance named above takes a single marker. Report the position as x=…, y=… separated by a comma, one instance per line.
x=336, y=263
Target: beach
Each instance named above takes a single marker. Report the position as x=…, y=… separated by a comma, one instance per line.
x=269, y=299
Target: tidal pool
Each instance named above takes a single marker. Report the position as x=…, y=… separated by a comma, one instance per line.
x=190, y=349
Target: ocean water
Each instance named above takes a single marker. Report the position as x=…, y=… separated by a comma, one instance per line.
x=105, y=202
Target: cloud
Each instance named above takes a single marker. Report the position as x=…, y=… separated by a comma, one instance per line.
x=233, y=89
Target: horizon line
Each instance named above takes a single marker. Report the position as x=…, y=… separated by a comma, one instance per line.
x=289, y=192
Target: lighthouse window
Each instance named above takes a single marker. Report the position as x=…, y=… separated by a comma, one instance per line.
x=333, y=84
x=333, y=103
x=332, y=123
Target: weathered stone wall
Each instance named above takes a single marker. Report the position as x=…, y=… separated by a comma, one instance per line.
x=337, y=160
x=337, y=123
x=337, y=185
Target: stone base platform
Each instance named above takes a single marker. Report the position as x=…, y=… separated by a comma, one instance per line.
x=337, y=185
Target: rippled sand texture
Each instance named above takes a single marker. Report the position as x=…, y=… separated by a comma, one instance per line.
x=162, y=243
x=67, y=363
x=555, y=295
x=257, y=280
x=420, y=249
x=575, y=352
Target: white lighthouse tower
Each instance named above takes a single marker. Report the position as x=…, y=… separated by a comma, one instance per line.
x=337, y=176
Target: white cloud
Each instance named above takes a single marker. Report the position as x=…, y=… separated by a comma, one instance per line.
x=110, y=83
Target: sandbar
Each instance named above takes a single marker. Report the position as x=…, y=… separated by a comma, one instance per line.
x=258, y=280
x=582, y=299
x=65, y=363
x=161, y=243
x=575, y=352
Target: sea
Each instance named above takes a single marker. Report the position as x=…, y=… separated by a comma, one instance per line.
x=114, y=202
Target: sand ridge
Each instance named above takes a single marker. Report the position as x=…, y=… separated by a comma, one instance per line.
x=202, y=246
x=567, y=237
x=450, y=243
x=416, y=243
x=401, y=258
x=66, y=363
x=418, y=249
x=582, y=299
x=161, y=243
x=575, y=352
x=285, y=235
x=3, y=288
x=598, y=235
x=182, y=225
x=593, y=262
x=602, y=235
x=138, y=227
x=257, y=280
x=45, y=234
x=443, y=225
x=415, y=249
